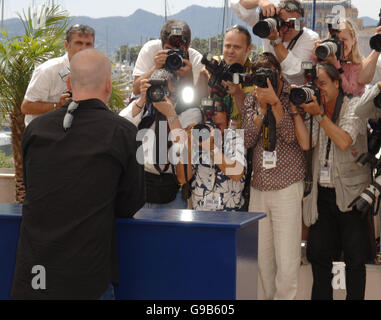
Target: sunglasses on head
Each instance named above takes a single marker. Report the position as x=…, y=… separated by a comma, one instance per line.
x=68, y=119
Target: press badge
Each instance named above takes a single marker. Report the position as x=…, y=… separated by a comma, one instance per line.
x=325, y=175
x=213, y=203
x=269, y=159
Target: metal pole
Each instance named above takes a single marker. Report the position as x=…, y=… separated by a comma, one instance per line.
x=313, y=14
x=165, y=9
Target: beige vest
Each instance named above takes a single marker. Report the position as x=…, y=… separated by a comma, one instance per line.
x=349, y=178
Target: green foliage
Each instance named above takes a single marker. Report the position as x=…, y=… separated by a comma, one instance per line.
x=126, y=53
x=119, y=94
x=43, y=39
x=6, y=161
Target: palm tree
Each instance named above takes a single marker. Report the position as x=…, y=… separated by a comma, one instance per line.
x=43, y=39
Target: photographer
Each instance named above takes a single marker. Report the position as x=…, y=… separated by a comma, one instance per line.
x=290, y=45
x=348, y=59
x=148, y=112
x=337, y=180
x=154, y=56
x=236, y=49
x=47, y=88
x=216, y=164
x=277, y=180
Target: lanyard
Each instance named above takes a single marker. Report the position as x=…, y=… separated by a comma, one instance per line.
x=338, y=105
x=291, y=45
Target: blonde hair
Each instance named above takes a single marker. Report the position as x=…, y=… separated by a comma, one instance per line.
x=355, y=55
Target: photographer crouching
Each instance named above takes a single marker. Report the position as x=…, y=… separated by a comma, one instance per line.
x=339, y=138
x=160, y=112
x=277, y=178
x=216, y=161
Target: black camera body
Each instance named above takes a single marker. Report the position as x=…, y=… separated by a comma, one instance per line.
x=304, y=93
x=265, y=26
x=374, y=143
x=219, y=71
x=258, y=78
x=176, y=56
x=377, y=101
x=332, y=45
x=158, y=90
x=375, y=41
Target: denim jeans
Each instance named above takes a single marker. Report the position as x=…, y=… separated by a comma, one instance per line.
x=109, y=294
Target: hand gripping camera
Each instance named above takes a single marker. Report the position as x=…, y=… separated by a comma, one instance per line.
x=375, y=41
x=158, y=90
x=176, y=56
x=219, y=71
x=258, y=78
x=332, y=45
x=304, y=94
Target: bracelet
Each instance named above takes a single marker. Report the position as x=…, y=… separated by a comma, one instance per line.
x=294, y=113
x=140, y=107
x=172, y=119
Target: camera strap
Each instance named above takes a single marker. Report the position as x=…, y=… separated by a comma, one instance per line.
x=160, y=117
x=292, y=43
x=336, y=113
x=269, y=131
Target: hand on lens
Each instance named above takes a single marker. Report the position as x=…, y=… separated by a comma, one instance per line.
x=273, y=35
x=267, y=95
x=312, y=108
x=160, y=59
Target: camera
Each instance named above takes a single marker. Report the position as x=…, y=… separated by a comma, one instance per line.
x=377, y=101
x=374, y=143
x=375, y=41
x=176, y=56
x=158, y=90
x=304, y=94
x=202, y=130
x=265, y=26
x=219, y=71
x=258, y=78
x=332, y=45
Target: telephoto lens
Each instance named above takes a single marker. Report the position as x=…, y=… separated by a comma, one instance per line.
x=175, y=60
x=264, y=27
x=326, y=49
x=301, y=95
x=157, y=91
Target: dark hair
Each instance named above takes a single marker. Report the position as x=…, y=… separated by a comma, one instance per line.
x=241, y=29
x=292, y=6
x=331, y=71
x=266, y=60
x=81, y=29
x=167, y=27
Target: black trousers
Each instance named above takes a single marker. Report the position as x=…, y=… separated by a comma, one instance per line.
x=333, y=233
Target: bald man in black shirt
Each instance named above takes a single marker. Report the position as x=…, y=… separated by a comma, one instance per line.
x=80, y=172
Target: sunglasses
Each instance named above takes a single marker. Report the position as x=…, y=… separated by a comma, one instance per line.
x=68, y=119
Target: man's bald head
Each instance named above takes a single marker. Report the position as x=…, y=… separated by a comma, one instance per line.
x=90, y=70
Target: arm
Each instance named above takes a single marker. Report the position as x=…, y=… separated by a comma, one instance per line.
x=130, y=196
x=369, y=65
x=38, y=107
x=250, y=122
x=365, y=107
x=301, y=131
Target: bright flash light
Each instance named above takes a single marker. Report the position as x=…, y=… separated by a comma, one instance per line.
x=188, y=95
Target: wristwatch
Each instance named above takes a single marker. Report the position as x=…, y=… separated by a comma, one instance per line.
x=275, y=42
x=172, y=119
x=319, y=117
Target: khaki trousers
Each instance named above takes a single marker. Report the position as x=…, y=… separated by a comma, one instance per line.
x=279, y=239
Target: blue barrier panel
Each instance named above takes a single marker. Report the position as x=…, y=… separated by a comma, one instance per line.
x=168, y=254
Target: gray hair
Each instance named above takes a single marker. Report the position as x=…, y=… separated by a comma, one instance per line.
x=81, y=29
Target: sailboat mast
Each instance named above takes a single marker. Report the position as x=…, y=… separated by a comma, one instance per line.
x=165, y=8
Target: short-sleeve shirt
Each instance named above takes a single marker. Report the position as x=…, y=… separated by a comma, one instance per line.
x=46, y=84
x=211, y=187
x=146, y=59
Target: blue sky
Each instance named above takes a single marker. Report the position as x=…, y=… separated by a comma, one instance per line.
x=106, y=8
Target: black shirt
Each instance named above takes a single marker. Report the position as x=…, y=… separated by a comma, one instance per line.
x=76, y=183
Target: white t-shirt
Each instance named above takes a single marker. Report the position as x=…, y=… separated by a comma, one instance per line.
x=302, y=51
x=46, y=84
x=146, y=59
